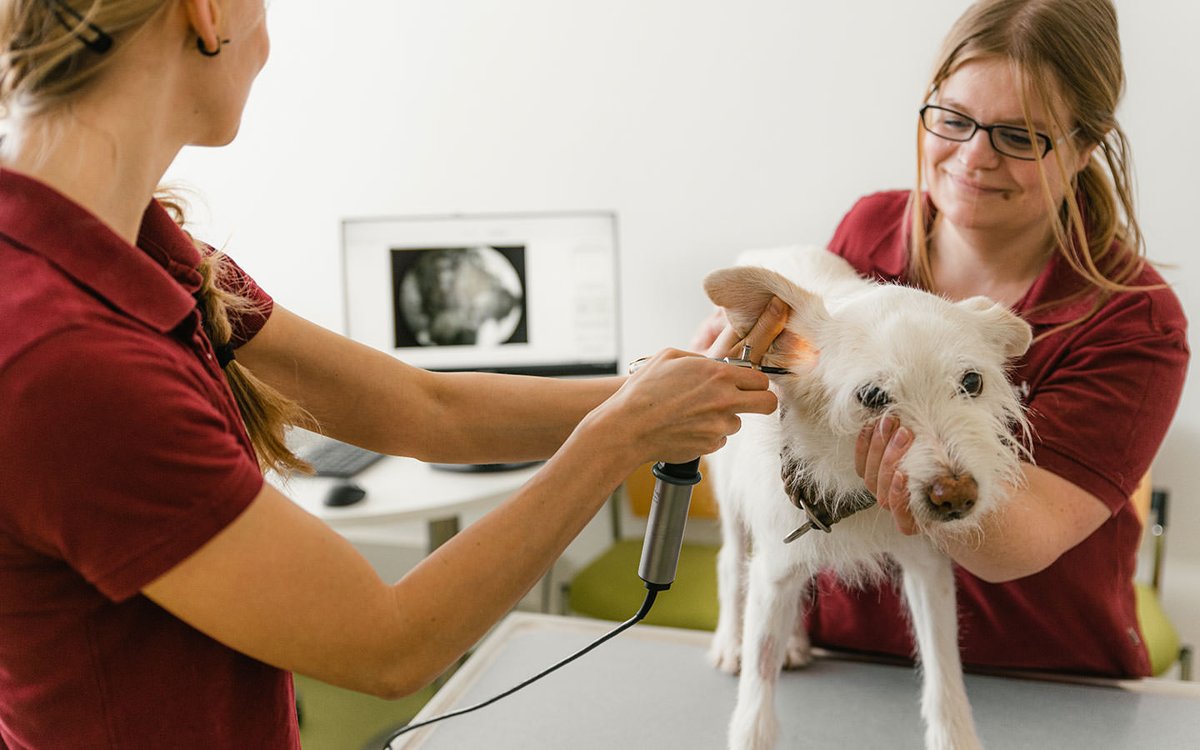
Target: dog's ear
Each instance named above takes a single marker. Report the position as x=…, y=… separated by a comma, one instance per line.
x=744, y=292
x=1013, y=333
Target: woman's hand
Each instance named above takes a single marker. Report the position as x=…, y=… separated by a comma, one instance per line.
x=677, y=405
x=877, y=453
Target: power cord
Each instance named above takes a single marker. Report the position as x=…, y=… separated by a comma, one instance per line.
x=651, y=593
x=660, y=557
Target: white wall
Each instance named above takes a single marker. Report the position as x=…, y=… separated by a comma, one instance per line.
x=708, y=126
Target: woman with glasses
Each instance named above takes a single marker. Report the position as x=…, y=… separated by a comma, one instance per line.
x=1025, y=195
x=154, y=591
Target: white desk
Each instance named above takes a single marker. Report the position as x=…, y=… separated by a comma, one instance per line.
x=651, y=688
x=404, y=489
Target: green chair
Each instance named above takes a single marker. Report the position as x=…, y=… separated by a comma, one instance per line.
x=333, y=718
x=608, y=588
x=1162, y=639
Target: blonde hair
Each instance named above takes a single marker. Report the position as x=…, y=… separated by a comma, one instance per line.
x=266, y=412
x=45, y=61
x=1065, y=51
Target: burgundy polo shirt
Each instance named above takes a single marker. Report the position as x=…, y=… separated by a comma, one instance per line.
x=121, y=453
x=1100, y=397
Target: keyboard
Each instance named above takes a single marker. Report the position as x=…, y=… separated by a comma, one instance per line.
x=333, y=458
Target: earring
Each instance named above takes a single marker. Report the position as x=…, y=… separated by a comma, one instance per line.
x=206, y=51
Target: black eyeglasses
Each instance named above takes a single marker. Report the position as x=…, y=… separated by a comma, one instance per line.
x=1008, y=140
x=89, y=34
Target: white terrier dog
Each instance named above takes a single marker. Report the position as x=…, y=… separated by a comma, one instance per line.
x=857, y=351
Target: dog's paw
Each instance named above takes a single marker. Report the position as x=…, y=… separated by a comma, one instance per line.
x=753, y=730
x=725, y=656
x=799, y=652
x=951, y=738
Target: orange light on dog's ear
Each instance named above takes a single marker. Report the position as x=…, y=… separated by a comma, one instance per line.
x=791, y=350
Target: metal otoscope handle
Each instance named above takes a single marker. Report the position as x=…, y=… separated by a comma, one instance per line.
x=664, y=528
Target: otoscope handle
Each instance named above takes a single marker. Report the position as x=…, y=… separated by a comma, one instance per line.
x=664, y=527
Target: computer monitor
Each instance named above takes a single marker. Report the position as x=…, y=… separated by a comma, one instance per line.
x=532, y=294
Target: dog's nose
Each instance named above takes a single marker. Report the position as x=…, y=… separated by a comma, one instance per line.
x=953, y=496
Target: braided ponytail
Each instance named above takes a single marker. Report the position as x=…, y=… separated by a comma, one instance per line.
x=266, y=412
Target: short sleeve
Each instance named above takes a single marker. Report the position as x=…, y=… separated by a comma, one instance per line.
x=120, y=460
x=871, y=236
x=1102, y=410
x=248, y=320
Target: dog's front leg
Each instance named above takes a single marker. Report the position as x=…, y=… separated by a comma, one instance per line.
x=726, y=649
x=771, y=596
x=929, y=591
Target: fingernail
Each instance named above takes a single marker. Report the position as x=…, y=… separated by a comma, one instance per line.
x=902, y=437
x=776, y=306
x=886, y=425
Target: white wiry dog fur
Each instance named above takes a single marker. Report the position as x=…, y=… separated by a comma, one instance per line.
x=858, y=350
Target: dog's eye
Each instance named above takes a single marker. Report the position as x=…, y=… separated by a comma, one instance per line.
x=971, y=384
x=873, y=397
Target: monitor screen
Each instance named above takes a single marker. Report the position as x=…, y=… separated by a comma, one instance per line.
x=531, y=294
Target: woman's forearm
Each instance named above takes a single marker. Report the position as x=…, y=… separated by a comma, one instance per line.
x=370, y=398
x=1040, y=521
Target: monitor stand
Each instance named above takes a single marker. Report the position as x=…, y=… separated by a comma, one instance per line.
x=484, y=468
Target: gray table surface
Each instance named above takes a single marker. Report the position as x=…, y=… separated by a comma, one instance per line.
x=652, y=688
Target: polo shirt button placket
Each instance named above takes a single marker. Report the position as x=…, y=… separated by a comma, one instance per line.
x=201, y=344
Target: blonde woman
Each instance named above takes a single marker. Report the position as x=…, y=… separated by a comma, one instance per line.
x=154, y=592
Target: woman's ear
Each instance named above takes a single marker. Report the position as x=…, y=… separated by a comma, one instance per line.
x=205, y=19
x=1085, y=156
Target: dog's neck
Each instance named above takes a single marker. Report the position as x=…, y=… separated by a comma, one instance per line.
x=823, y=505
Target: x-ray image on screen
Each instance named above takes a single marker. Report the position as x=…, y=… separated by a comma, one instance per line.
x=459, y=296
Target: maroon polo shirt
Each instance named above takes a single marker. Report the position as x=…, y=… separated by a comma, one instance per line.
x=1100, y=396
x=121, y=453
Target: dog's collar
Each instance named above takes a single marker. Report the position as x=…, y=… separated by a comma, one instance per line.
x=818, y=506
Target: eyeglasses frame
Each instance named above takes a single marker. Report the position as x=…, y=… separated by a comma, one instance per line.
x=1047, y=142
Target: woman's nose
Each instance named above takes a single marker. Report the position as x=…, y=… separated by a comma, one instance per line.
x=978, y=152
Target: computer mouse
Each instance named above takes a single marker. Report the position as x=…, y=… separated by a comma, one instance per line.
x=346, y=493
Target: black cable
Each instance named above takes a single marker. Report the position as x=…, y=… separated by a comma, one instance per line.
x=641, y=613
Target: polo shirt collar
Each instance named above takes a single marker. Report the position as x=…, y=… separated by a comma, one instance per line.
x=153, y=282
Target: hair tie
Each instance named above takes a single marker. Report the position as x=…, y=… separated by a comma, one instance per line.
x=224, y=354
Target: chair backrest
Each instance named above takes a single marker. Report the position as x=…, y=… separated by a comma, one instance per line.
x=1141, y=499
x=1150, y=505
x=640, y=486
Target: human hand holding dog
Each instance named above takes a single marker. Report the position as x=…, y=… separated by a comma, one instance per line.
x=877, y=453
